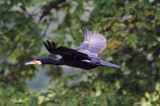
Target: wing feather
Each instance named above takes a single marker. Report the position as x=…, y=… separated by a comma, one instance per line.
x=65, y=52
x=93, y=42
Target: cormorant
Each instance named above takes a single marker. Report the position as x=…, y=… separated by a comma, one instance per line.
x=85, y=57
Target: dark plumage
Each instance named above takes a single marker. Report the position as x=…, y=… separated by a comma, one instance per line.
x=85, y=57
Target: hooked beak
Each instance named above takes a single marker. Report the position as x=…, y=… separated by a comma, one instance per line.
x=34, y=62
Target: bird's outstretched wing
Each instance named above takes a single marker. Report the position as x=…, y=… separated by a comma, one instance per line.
x=93, y=43
x=66, y=53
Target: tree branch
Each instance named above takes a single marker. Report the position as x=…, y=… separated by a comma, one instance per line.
x=47, y=8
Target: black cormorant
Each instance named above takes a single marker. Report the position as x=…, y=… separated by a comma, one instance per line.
x=85, y=57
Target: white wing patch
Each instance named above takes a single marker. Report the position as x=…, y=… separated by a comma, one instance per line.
x=86, y=61
x=93, y=43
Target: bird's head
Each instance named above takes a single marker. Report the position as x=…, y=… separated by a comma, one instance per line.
x=34, y=61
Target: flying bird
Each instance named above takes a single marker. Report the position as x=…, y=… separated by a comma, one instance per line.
x=85, y=56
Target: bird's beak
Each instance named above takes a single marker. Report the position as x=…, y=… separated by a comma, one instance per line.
x=34, y=62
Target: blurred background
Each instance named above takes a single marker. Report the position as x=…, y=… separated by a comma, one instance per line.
x=132, y=29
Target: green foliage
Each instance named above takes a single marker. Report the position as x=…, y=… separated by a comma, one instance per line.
x=132, y=31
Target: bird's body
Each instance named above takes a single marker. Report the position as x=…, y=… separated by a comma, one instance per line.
x=68, y=62
x=85, y=57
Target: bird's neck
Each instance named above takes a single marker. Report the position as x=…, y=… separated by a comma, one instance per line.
x=55, y=61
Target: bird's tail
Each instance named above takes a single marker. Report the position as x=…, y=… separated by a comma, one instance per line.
x=110, y=65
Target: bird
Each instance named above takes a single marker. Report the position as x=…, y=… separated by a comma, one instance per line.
x=84, y=57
